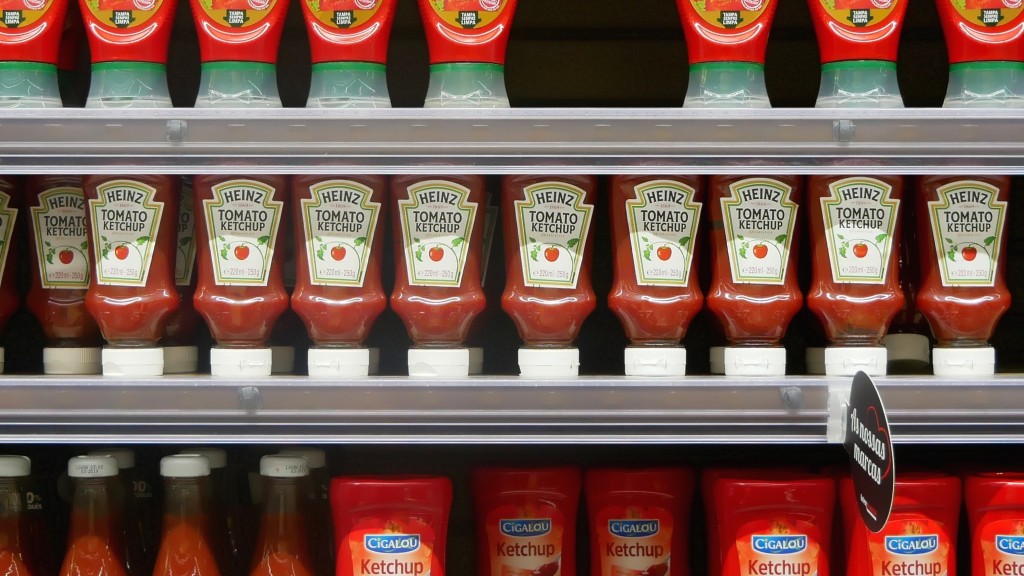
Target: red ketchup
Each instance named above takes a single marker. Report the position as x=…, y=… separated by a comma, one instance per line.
x=59, y=277
x=240, y=292
x=772, y=522
x=349, y=44
x=961, y=233
x=754, y=291
x=526, y=520
x=726, y=41
x=655, y=291
x=985, y=42
x=339, y=236
x=467, y=41
x=548, y=249
x=995, y=512
x=920, y=537
x=438, y=240
x=132, y=233
x=29, y=40
x=391, y=525
x=181, y=355
x=639, y=521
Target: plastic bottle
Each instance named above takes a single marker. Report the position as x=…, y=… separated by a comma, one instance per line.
x=185, y=547
x=995, y=511
x=29, y=41
x=94, y=538
x=282, y=546
x=227, y=531
x=318, y=490
x=15, y=544
x=141, y=516
x=985, y=42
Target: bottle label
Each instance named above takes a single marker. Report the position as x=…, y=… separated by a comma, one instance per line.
x=23, y=13
x=185, y=257
x=663, y=222
x=437, y=222
x=344, y=14
x=967, y=229
x=635, y=541
x=8, y=217
x=525, y=540
x=782, y=545
x=553, y=223
x=989, y=13
x=730, y=14
x=468, y=14
x=1002, y=547
x=239, y=14
x=392, y=548
x=859, y=13
x=242, y=220
x=759, y=220
x=59, y=235
x=125, y=225
x=910, y=546
x=339, y=222
x=860, y=224
x=124, y=14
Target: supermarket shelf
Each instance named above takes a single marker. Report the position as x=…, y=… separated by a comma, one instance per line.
x=557, y=141
x=492, y=410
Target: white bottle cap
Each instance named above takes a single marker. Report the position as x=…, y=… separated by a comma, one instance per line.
x=439, y=362
x=717, y=354
x=476, y=361
x=755, y=361
x=15, y=466
x=184, y=466
x=236, y=362
x=913, y=347
x=125, y=456
x=282, y=359
x=848, y=360
x=133, y=361
x=181, y=359
x=278, y=466
x=374, y=361
x=72, y=361
x=655, y=361
x=217, y=457
x=315, y=457
x=963, y=361
x=549, y=362
x=338, y=362
x=92, y=467
x=814, y=358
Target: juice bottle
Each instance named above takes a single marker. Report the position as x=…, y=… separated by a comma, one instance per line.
x=181, y=355
x=59, y=279
x=920, y=536
x=639, y=521
x=995, y=511
x=282, y=546
x=94, y=538
x=655, y=290
x=318, y=490
x=548, y=249
x=15, y=545
x=227, y=534
x=526, y=520
x=185, y=544
x=140, y=516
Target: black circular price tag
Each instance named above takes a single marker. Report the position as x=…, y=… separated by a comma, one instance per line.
x=869, y=446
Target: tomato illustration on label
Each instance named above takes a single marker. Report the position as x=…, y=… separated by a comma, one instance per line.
x=468, y=14
x=125, y=224
x=340, y=222
x=759, y=218
x=436, y=221
x=124, y=14
x=730, y=14
x=242, y=218
x=967, y=223
x=860, y=220
x=663, y=221
x=60, y=238
x=553, y=222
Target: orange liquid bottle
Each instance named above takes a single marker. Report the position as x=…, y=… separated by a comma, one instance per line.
x=13, y=528
x=94, y=540
x=318, y=490
x=282, y=548
x=140, y=516
x=185, y=546
x=227, y=528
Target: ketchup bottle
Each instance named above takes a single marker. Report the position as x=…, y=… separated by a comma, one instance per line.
x=548, y=248
x=59, y=278
x=15, y=541
x=185, y=544
x=282, y=546
x=94, y=541
x=438, y=239
x=181, y=355
x=995, y=512
x=655, y=291
x=754, y=291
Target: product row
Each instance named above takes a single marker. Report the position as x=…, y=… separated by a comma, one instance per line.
x=767, y=521
x=238, y=40
x=107, y=256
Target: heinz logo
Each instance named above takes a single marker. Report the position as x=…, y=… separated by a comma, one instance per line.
x=1010, y=545
x=633, y=528
x=776, y=544
x=392, y=543
x=912, y=545
x=525, y=528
